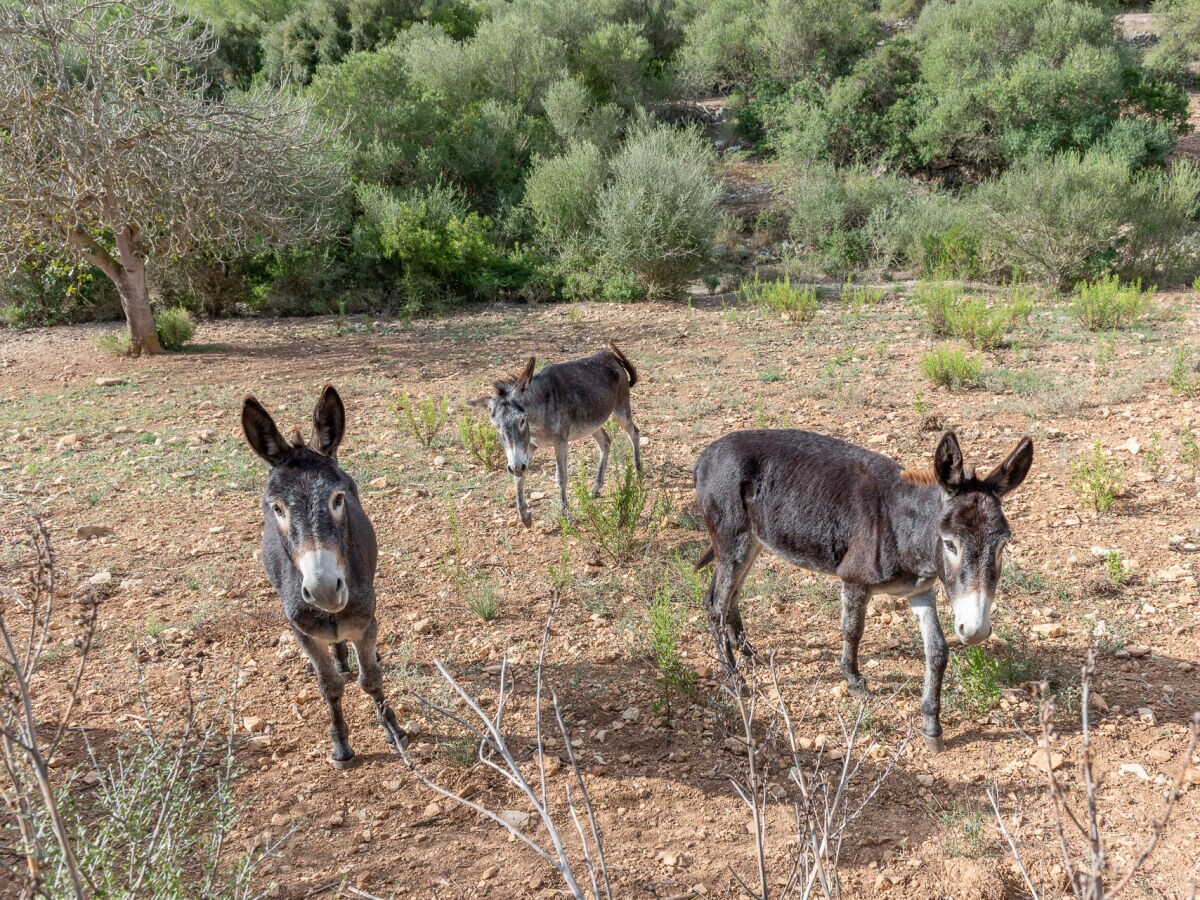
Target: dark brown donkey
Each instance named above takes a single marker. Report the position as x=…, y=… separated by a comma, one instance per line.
x=838, y=509
x=319, y=551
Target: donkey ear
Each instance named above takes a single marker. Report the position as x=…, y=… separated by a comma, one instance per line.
x=262, y=434
x=526, y=374
x=482, y=402
x=948, y=463
x=329, y=423
x=1010, y=473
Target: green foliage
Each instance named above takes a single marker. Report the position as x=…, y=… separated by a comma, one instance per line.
x=659, y=213
x=858, y=296
x=480, y=440
x=175, y=327
x=1004, y=78
x=484, y=601
x=663, y=627
x=562, y=194
x=1178, y=25
x=422, y=420
x=1090, y=215
x=950, y=367
x=1183, y=378
x=1114, y=564
x=611, y=522
x=1189, y=448
x=980, y=673
x=951, y=313
x=1097, y=479
x=849, y=221
x=114, y=344
x=1106, y=303
x=796, y=304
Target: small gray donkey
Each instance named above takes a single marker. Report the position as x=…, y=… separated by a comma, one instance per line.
x=563, y=402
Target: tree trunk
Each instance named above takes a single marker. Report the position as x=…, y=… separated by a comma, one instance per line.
x=135, y=300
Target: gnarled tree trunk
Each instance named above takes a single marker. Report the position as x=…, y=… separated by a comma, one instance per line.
x=135, y=300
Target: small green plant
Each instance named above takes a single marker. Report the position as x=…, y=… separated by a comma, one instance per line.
x=794, y=304
x=485, y=603
x=857, y=296
x=422, y=421
x=1097, y=479
x=966, y=832
x=1196, y=283
x=981, y=672
x=610, y=523
x=952, y=368
x=760, y=413
x=1189, y=448
x=1183, y=378
x=175, y=327
x=712, y=282
x=480, y=440
x=1106, y=351
x=154, y=625
x=664, y=625
x=770, y=376
x=1106, y=303
x=341, y=317
x=951, y=313
x=560, y=574
x=1153, y=455
x=116, y=344
x=1118, y=572
x=920, y=406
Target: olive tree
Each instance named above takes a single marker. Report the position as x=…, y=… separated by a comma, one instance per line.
x=112, y=150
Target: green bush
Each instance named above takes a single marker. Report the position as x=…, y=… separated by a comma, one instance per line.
x=951, y=368
x=664, y=626
x=1097, y=479
x=423, y=420
x=480, y=440
x=175, y=327
x=610, y=523
x=951, y=313
x=1001, y=79
x=1106, y=303
x=1178, y=25
x=797, y=305
x=562, y=193
x=575, y=117
x=1068, y=217
x=850, y=221
x=660, y=212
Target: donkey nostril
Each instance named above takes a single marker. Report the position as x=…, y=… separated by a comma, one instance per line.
x=340, y=585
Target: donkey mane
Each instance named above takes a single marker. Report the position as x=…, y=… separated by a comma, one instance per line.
x=919, y=476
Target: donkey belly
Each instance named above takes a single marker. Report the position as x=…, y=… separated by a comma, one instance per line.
x=810, y=557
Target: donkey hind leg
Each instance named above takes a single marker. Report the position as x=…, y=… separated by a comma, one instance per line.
x=370, y=678
x=331, y=684
x=724, y=617
x=603, y=441
x=854, y=613
x=624, y=416
x=936, y=655
x=560, y=474
x=522, y=507
x=341, y=654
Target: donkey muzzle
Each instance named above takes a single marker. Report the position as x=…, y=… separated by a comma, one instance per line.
x=322, y=583
x=972, y=618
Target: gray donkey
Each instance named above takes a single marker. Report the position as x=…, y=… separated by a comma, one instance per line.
x=319, y=551
x=563, y=402
x=835, y=508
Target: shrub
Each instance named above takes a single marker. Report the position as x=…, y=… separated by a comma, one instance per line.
x=797, y=305
x=1183, y=378
x=659, y=214
x=1189, y=448
x=612, y=62
x=610, y=523
x=1004, y=78
x=576, y=118
x=1114, y=564
x=849, y=221
x=562, y=194
x=951, y=368
x=175, y=327
x=664, y=626
x=821, y=38
x=423, y=420
x=1097, y=479
x=1178, y=25
x=480, y=440
x=981, y=673
x=723, y=46
x=953, y=314
x=1106, y=303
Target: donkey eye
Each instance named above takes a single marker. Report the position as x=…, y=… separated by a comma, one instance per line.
x=337, y=501
x=951, y=546
x=522, y=422
x=279, y=508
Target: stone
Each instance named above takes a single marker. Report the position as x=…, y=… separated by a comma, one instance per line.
x=380, y=482
x=631, y=714
x=515, y=818
x=100, y=578
x=422, y=626
x=1171, y=573
x=91, y=532
x=925, y=780
x=1049, y=630
x=1137, y=651
x=110, y=381
x=433, y=809
x=1037, y=759
x=1134, y=769
x=490, y=872
x=252, y=723
x=1146, y=714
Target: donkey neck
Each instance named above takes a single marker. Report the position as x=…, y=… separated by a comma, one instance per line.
x=916, y=511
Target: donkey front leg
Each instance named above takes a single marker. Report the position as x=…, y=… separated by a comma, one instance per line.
x=522, y=508
x=560, y=475
x=936, y=656
x=370, y=678
x=603, y=441
x=331, y=684
x=854, y=613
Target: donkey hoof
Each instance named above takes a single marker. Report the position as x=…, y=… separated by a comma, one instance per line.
x=342, y=764
x=935, y=743
x=527, y=520
x=859, y=689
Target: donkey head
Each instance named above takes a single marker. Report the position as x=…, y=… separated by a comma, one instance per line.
x=972, y=533
x=306, y=496
x=506, y=412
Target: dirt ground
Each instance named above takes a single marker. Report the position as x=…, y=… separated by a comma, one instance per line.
x=159, y=459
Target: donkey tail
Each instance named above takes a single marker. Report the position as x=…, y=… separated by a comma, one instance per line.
x=625, y=363
x=709, y=555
